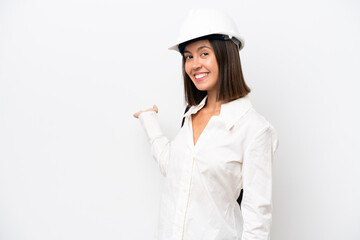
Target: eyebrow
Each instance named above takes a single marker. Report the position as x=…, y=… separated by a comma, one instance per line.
x=199, y=48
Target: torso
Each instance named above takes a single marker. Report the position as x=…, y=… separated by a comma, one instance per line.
x=199, y=122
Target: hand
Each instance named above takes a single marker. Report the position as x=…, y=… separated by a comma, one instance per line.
x=154, y=108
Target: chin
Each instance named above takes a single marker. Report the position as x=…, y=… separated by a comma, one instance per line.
x=201, y=87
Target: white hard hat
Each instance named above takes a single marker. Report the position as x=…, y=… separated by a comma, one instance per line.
x=207, y=21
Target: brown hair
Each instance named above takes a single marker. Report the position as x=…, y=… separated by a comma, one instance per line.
x=231, y=83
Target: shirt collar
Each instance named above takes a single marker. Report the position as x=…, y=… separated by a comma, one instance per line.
x=230, y=112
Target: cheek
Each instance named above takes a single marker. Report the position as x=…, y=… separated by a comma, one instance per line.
x=215, y=68
x=187, y=69
x=211, y=65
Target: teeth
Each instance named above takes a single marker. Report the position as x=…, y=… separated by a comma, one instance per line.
x=200, y=75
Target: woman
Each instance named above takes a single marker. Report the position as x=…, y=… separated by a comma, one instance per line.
x=224, y=145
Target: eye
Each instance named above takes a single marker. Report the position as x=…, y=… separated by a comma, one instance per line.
x=187, y=57
x=204, y=54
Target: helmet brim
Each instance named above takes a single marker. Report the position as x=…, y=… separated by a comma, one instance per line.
x=195, y=38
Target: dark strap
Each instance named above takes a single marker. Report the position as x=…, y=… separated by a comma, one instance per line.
x=241, y=192
x=183, y=120
x=240, y=197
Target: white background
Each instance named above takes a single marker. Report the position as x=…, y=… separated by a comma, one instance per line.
x=75, y=164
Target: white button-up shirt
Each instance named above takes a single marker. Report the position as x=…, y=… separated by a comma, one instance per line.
x=235, y=151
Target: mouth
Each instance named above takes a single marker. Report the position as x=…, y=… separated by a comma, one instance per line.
x=200, y=76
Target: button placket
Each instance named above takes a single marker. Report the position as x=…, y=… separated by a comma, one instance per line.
x=184, y=198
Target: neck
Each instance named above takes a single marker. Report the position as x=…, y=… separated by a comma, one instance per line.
x=211, y=103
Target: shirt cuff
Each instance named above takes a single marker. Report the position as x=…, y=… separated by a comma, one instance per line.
x=151, y=125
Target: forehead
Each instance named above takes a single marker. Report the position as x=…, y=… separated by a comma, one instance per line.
x=191, y=47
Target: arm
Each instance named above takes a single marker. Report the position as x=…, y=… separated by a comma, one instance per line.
x=160, y=145
x=256, y=205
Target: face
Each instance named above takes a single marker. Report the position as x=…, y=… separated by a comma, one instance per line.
x=201, y=65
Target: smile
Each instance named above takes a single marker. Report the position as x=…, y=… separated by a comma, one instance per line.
x=200, y=75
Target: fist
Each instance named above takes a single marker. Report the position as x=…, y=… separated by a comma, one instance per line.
x=154, y=108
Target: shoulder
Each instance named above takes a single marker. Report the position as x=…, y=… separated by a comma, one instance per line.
x=254, y=123
x=256, y=120
x=248, y=124
x=260, y=129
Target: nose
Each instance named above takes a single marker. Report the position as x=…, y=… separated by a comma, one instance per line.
x=196, y=63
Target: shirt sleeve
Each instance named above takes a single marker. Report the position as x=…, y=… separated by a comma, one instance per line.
x=256, y=205
x=160, y=145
